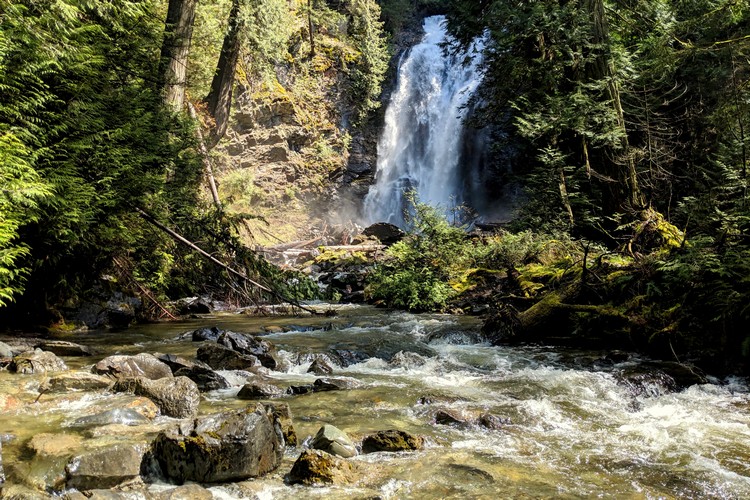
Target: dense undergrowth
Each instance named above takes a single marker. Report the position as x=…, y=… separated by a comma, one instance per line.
x=675, y=297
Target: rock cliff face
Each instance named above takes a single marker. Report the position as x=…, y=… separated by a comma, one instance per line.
x=299, y=153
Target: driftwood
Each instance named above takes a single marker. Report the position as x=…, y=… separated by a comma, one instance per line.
x=292, y=245
x=181, y=239
x=355, y=248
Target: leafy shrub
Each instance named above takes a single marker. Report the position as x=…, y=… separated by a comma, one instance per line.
x=417, y=270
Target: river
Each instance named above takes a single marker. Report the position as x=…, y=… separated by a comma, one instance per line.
x=574, y=429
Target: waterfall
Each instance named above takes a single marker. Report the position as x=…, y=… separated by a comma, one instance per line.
x=422, y=142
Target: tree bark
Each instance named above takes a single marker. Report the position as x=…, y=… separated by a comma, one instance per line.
x=205, y=156
x=219, y=99
x=178, y=34
x=310, y=28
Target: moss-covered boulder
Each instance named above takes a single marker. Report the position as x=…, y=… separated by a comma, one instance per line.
x=316, y=467
x=227, y=446
x=391, y=440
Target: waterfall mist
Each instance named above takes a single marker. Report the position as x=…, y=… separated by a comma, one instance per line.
x=424, y=138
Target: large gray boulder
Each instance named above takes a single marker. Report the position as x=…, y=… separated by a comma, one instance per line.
x=316, y=467
x=334, y=441
x=264, y=350
x=105, y=468
x=37, y=361
x=64, y=348
x=141, y=365
x=391, y=440
x=227, y=446
x=220, y=357
x=176, y=397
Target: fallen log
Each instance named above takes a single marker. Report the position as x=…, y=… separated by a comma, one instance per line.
x=181, y=239
x=354, y=248
x=544, y=318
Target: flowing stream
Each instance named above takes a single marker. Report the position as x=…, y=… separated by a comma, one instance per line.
x=576, y=428
x=422, y=142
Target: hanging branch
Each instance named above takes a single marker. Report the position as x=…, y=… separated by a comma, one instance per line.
x=181, y=239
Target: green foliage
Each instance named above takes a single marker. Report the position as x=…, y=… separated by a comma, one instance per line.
x=416, y=274
x=85, y=140
x=368, y=71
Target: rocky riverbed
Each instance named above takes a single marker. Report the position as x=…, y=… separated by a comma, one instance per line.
x=368, y=403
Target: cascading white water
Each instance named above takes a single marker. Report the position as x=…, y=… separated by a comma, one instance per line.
x=420, y=147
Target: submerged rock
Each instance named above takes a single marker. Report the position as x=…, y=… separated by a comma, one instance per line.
x=494, y=422
x=323, y=385
x=334, y=441
x=122, y=416
x=391, y=440
x=450, y=417
x=37, y=361
x=318, y=467
x=227, y=446
x=75, y=381
x=105, y=468
x=141, y=365
x=54, y=445
x=176, y=397
x=255, y=390
x=206, y=334
x=264, y=350
x=219, y=357
x=64, y=348
x=346, y=357
x=186, y=492
x=205, y=378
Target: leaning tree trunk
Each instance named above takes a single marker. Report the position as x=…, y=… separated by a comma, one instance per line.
x=175, y=48
x=219, y=99
x=625, y=192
